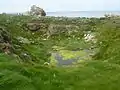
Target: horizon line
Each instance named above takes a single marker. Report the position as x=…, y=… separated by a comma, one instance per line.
x=70, y=11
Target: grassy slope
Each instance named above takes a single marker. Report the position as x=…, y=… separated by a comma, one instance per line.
x=94, y=75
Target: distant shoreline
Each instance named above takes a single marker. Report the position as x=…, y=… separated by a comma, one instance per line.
x=82, y=13
x=78, y=13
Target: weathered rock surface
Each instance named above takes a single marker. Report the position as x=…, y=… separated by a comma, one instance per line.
x=35, y=25
x=5, y=41
x=37, y=11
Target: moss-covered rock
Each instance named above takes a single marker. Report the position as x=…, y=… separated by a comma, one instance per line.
x=35, y=25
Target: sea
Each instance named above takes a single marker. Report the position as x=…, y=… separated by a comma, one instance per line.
x=83, y=13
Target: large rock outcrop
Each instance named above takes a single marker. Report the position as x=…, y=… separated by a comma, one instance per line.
x=37, y=11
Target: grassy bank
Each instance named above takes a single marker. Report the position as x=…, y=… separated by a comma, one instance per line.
x=94, y=75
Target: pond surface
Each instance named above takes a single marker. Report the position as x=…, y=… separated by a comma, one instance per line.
x=66, y=57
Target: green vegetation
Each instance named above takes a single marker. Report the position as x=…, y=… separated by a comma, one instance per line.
x=27, y=61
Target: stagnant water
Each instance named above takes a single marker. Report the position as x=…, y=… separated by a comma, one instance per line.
x=61, y=61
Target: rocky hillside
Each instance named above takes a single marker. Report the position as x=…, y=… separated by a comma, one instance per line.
x=32, y=39
x=59, y=53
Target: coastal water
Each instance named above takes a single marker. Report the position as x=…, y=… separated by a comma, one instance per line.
x=83, y=13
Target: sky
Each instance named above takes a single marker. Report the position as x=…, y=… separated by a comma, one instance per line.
x=60, y=5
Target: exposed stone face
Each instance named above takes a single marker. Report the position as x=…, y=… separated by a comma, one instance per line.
x=37, y=11
x=35, y=25
x=4, y=35
x=5, y=41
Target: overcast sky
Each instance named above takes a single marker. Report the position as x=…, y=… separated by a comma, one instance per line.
x=60, y=5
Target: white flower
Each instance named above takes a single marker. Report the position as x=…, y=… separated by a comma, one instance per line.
x=46, y=63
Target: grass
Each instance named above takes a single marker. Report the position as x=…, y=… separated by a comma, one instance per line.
x=92, y=75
